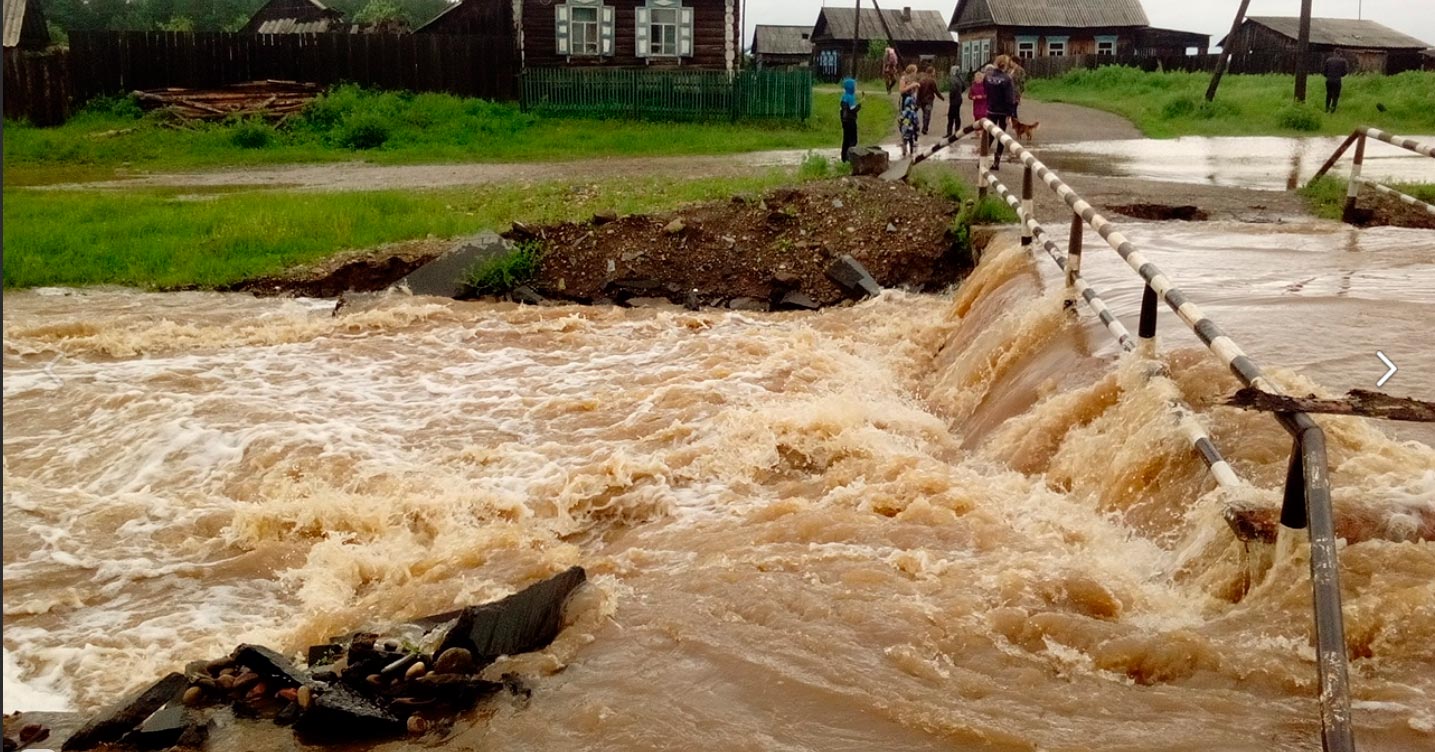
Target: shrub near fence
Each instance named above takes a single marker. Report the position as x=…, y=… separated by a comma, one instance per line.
x=669, y=95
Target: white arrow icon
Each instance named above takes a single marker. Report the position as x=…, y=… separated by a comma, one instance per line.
x=1393, y=368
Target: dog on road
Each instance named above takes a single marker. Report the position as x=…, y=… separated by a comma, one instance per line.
x=1025, y=132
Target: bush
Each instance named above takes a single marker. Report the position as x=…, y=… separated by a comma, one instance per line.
x=1299, y=118
x=126, y=107
x=1179, y=107
x=497, y=276
x=252, y=134
x=364, y=132
x=815, y=167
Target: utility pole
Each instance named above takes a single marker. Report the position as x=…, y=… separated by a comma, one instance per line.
x=856, y=36
x=1226, y=51
x=1302, y=51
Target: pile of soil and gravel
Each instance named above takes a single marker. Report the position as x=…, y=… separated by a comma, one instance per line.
x=755, y=250
x=747, y=252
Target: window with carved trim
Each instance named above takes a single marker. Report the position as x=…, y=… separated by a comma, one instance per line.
x=584, y=31
x=663, y=33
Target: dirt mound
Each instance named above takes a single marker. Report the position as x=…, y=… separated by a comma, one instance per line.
x=755, y=249
x=746, y=252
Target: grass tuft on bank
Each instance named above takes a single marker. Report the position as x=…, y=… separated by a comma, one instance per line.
x=1166, y=105
x=1326, y=196
x=348, y=123
x=165, y=239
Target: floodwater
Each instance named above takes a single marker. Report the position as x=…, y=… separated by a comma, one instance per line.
x=923, y=522
x=1261, y=163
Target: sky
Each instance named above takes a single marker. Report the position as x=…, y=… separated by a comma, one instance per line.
x=1413, y=17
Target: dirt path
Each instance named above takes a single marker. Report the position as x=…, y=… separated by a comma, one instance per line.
x=1059, y=122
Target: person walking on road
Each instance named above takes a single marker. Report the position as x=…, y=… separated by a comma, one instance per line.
x=928, y=92
x=1001, y=100
x=1336, y=69
x=954, y=101
x=890, y=67
x=850, y=108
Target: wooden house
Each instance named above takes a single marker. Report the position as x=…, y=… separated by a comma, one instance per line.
x=1371, y=47
x=1046, y=28
x=914, y=34
x=295, y=17
x=782, y=46
x=1153, y=42
x=25, y=27
x=606, y=33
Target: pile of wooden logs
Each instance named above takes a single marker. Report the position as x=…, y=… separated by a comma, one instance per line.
x=266, y=99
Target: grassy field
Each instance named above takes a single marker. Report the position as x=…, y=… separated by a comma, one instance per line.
x=157, y=239
x=391, y=128
x=1326, y=197
x=1165, y=105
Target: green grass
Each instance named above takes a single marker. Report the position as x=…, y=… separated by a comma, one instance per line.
x=500, y=275
x=1326, y=197
x=1165, y=105
x=392, y=128
x=160, y=239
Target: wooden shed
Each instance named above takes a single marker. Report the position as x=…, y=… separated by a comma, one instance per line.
x=25, y=26
x=604, y=33
x=1046, y=28
x=1153, y=42
x=914, y=34
x=1371, y=47
x=295, y=17
x=782, y=46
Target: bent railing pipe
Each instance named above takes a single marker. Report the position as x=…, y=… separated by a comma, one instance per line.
x=1307, y=499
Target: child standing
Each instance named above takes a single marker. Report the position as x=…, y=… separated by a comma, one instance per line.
x=907, y=122
x=978, y=95
x=850, y=108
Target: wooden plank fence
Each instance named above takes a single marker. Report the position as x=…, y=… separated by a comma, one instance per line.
x=669, y=94
x=45, y=87
x=37, y=86
x=104, y=63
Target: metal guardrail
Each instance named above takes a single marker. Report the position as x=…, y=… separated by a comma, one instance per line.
x=1307, y=501
x=1358, y=137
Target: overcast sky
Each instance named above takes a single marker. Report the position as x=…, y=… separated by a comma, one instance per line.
x=1414, y=17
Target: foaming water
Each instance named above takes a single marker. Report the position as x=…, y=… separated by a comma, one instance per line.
x=920, y=522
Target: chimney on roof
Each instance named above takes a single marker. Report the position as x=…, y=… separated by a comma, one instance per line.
x=907, y=14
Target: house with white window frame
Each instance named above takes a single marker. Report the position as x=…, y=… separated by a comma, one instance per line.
x=1046, y=28
x=702, y=34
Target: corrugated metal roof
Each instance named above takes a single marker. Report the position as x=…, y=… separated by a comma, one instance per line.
x=1341, y=32
x=925, y=26
x=1077, y=14
x=297, y=26
x=14, y=21
x=782, y=40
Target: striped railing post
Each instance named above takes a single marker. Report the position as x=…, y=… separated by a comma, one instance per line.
x=1073, y=255
x=1352, y=189
x=1028, y=203
x=984, y=164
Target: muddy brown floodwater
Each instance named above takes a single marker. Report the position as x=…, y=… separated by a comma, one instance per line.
x=923, y=522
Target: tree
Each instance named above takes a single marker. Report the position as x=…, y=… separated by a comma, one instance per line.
x=380, y=11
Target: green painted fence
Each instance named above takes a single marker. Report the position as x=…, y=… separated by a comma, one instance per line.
x=641, y=94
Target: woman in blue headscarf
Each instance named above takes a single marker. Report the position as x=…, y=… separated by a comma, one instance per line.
x=850, y=107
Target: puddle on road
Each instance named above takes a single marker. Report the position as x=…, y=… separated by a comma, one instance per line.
x=1274, y=164
x=1262, y=163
